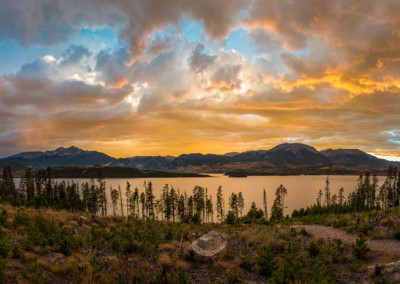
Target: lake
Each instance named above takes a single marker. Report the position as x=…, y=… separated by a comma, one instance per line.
x=302, y=190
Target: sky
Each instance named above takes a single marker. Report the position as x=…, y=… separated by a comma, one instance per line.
x=160, y=77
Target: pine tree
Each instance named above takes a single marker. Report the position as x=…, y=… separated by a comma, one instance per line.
x=240, y=203
x=319, y=198
x=341, y=196
x=327, y=192
x=102, y=193
x=198, y=200
x=166, y=200
x=278, y=205
x=7, y=185
x=220, y=205
x=120, y=201
x=114, y=199
x=49, y=186
x=28, y=184
x=143, y=204
x=374, y=189
x=128, y=198
x=150, y=200
x=173, y=199
x=210, y=209
x=233, y=204
x=181, y=208
x=265, y=205
x=334, y=199
x=136, y=197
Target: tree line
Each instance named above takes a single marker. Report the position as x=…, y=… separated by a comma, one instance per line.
x=39, y=189
x=368, y=195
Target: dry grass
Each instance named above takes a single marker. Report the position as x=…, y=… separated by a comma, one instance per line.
x=165, y=260
x=166, y=247
x=182, y=265
x=225, y=265
x=70, y=265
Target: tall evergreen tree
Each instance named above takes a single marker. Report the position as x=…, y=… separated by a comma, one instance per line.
x=265, y=205
x=114, y=199
x=220, y=205
x=150, y=200
x=327, y=192
x=240, y=203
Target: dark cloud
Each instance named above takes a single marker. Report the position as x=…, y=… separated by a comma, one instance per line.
x=199, y=61
x=264, y=40
x=227, y=77
x=34, y=22
x=36, y=69
x=112, y=65
x=74, y=54
x=45, y=95
x=48, y=22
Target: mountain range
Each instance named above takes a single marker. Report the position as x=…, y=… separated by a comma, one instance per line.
x=283, y=155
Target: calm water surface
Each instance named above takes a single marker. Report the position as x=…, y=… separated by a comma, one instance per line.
x=302, y=190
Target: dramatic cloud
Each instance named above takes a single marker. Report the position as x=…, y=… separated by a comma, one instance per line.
x=181, y=78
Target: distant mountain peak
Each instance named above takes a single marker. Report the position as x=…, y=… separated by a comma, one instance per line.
x=231, y=154
x=62, y=151
x=62, y=156
x=293, y=147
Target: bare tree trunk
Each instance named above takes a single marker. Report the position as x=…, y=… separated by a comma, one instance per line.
x=120, y=199
x=265, y=205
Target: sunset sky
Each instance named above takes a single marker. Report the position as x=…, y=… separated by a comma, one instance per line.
x=161, y=77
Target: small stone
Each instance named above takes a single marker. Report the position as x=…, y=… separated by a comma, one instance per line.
x=55, y=258
x=81, y=220
x=371, y=270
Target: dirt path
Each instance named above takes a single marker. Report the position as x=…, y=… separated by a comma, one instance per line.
x=387, y=246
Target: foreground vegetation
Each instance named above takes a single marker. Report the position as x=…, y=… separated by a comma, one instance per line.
x=65, y=232
x=43, y=246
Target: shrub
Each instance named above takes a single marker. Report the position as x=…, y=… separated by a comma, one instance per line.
x=360, y=248
x=3, y=217
x=18, y=253
x=320, y=273
x=313, y=249
x=254, y=212
x=169, y=234
x=67, y=245
x=247, y=262
x=365, y=228
x=4, y=247
x=116, y=243
x=3, y=266
x=179, y=277
x=34, y=273
x=233, y=277
x=21, y=218
x=230, y=218
x=191, y=256
x=130, y=246
x=397, y=235
x=266, y=261
x=303, y=232
x=196, y=218
x=340, y=222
